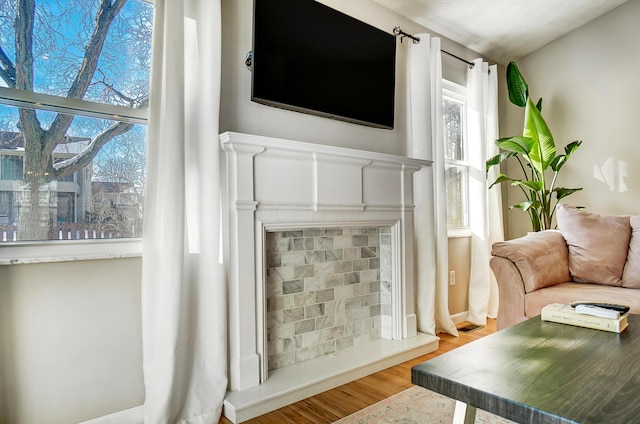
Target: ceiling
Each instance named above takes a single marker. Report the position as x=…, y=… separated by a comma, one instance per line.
x=501, y=30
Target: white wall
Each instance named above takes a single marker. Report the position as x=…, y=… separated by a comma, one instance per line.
x=589, y=82
x=70, y=340
x=460, y=263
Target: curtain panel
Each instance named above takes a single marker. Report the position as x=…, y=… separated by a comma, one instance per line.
x=183, y=289
x=485, y=206
x=430, y=213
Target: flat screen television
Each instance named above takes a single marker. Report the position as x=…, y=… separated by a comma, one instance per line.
x=311, y=58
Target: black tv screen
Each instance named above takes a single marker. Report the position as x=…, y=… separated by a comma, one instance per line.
x=311, y=58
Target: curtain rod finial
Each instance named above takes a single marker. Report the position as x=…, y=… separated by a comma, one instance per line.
x=397, y=31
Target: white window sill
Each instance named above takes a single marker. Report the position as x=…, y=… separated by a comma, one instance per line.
x=458, y=232
x=68, y=250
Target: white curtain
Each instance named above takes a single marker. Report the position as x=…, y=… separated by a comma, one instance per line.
x=430, y=214
x=183, y=291
x=485, y=206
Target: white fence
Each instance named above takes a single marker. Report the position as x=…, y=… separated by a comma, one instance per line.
x=9, y=233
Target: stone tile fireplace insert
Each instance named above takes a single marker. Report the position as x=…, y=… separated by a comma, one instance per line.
x=319, y=254
x=325, y=291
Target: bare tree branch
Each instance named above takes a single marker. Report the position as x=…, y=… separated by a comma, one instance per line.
x=104, y=18
x=84, y=158
x=129, y=100
x=107, y=12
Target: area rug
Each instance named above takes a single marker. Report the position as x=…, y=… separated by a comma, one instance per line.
x=415, y=405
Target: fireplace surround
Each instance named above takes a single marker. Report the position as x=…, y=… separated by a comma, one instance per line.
x=320, y=265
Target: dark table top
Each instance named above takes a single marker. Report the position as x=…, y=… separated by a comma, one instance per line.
x=544, y=372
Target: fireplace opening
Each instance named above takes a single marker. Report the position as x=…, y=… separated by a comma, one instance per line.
x=327, y=289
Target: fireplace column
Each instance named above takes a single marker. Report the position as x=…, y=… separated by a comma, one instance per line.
x=244, y=361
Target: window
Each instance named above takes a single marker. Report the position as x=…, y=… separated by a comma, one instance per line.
x=73, y=113
x=6, y=203
x=11, y=167
x=456, y=165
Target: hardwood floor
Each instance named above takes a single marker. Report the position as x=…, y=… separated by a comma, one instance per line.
x=344, y=400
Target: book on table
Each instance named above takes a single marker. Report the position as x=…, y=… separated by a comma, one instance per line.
x=565, y=314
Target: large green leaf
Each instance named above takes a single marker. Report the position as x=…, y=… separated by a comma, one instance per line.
x=560, y=160
x=557, y=162
x=531, y=207
x=501, y=179
x=531, y=185
x=535, y=127
x=518, y=88
x=561, y=193
x=518, y=144
x=524, y=205
x=498, y=159
x=571, y=147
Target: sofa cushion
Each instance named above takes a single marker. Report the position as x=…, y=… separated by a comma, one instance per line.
x=598, y=244
x=631, y=275
x=569, y=292
x=541, y=258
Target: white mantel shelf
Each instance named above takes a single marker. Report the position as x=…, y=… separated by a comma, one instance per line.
x=241, y=139
x=275, y=184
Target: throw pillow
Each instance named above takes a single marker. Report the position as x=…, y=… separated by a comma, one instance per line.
x=598, y=244
x=631, y=276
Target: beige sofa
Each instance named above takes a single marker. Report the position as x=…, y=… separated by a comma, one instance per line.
x=590, y=257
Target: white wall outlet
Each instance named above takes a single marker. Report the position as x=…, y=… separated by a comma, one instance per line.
x=452, y=278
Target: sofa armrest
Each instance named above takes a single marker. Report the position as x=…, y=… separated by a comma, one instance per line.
x=542, y=258
x=524, y=265
x=511, y=308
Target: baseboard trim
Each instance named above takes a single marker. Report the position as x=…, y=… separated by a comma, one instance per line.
x=133, y=415
x=460, y=317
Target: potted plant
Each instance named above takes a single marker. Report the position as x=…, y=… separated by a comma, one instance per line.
x=535, y=152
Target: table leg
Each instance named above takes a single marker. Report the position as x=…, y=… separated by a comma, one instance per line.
x=464, y=414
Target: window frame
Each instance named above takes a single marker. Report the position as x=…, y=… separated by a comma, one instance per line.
x=23, y=252
x=458, y=93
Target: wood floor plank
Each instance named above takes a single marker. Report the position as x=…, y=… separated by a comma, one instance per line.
x=329, y=406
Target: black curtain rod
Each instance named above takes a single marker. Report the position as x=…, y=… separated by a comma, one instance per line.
x=398, y=32
x=459, y=58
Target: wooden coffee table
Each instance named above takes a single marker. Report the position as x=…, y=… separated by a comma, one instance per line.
x=543, y=372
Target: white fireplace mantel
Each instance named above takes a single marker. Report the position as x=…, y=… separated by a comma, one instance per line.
x=275, y=184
